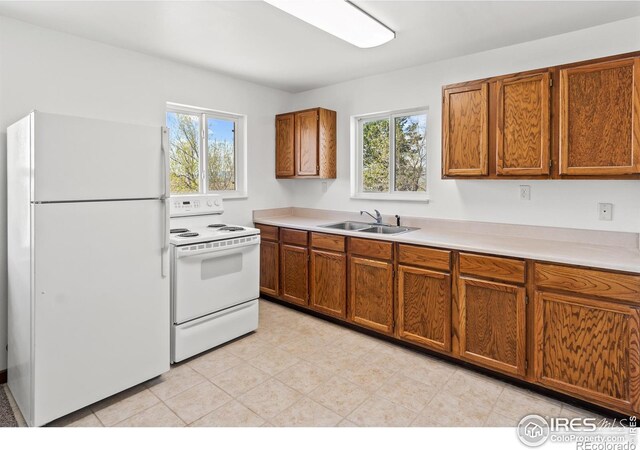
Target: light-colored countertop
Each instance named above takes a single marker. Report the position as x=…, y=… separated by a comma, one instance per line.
x=614, y=257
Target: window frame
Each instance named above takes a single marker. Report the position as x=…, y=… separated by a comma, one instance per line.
x=357, y=188
x=240, y=149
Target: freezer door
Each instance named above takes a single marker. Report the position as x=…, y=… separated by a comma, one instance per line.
x=102, y=319
x=86, y=159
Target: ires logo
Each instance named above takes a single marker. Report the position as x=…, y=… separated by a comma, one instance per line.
x=576, y=424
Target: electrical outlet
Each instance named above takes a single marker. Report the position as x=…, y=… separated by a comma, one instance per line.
x=324, y=186
x=525, y=192
x=605, y=211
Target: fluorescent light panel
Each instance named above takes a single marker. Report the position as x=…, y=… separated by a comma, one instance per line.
x=340, y=18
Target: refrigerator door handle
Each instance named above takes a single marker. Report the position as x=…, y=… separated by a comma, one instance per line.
x=165, y=201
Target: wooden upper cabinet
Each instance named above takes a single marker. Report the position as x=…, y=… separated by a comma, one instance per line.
x=464, y=130
x=523, y=125
x=285, y=145
x=588, y=348
x=306, y=144
x=600, y=118
x=492, y=325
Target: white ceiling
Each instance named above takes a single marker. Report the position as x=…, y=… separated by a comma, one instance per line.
x=255, y=41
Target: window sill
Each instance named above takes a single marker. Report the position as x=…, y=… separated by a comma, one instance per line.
x=422, y=198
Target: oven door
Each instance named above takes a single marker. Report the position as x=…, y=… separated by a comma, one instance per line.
x=213, y=276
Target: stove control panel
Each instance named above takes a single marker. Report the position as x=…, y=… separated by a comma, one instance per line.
x=195, y=205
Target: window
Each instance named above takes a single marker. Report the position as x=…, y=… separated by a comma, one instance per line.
x=390, y=158
x=206, y=152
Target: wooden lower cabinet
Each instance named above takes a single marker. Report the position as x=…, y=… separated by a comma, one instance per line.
x=424, y=307
x=588, y=348
x=329, y=283
x=269, y=267
x=294, y=274
x=492, y=325
x=371, y=293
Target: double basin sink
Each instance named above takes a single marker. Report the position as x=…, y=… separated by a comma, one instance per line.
x=368, y=227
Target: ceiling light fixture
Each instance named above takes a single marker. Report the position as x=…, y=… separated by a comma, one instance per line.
x=341, y=18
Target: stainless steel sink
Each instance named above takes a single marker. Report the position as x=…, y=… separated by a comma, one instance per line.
x=348, y=226
x=368, y=227
x=386, y=229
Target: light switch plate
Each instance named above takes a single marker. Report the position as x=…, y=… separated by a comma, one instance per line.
x=605, y=211
x=525, y=192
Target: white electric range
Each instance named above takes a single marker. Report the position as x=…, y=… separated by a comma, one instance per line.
x=215, y=274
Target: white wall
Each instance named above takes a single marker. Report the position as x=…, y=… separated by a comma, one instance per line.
x=55, y=72
x=565, y=203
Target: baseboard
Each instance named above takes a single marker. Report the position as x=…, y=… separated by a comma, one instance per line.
x=3, y=376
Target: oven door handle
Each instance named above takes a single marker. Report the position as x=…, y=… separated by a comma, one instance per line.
x=205, y=253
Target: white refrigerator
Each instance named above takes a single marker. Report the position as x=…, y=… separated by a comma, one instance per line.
x=88, y=244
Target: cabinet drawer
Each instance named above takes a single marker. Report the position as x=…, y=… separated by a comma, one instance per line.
x=424, y=257
x=296, y=237
x=267, y=232
x=598, y=283
x=504, y=269
x=328, y=241
x=371, y=248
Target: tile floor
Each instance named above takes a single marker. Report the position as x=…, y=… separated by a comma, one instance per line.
x=297, y=370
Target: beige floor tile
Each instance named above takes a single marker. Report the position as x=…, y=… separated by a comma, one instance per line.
x=380, y=412
x=473, y=389
x=247, y=347
x=276, y=335
x=197, y=401
x=124, y=405
x=231, y=414
x=368, y=376
x=516, y=402
x=156, y=416
x=346, y=424
x=304, y=377
x=177, y=380
x=497, y=420
x=429, y=371
x=452, y=411
x=82, y=418
x=340, y=395
x=571, y=412
x=240, y=379
x=269, y=398
x=407, y=392
x=273, y=361
x=306, y=413
x=215, y=362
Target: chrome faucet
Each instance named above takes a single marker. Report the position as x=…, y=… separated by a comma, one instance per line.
x=377, y=217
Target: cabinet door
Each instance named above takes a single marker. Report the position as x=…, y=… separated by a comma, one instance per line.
x=294, y=274
x=464, y=131
x=588, y=348
x=492, y=325
x=329, y=283
x=371, y=294
x=306, y=142
x=599, y=118
x=523, y=116
x=285, y=166
x=424, y=307
x=269, y=264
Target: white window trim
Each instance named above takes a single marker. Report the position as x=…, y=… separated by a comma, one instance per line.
x=240, y=138
x=356, y=159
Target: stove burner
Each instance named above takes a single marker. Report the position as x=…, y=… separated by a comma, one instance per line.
x=231, y=229
x=192, y=234
x=216, y=225
x=178, y=230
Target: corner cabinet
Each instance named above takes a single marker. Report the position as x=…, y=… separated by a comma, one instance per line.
x=599, y=118
x=465, y=111
x=306, y=144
